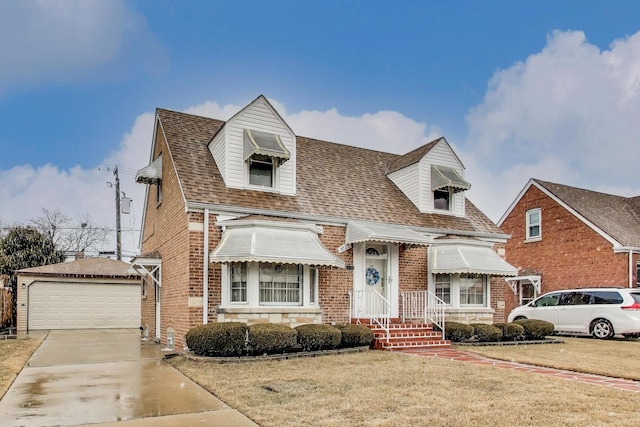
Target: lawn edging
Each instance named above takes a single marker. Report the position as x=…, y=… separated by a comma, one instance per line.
x=499, y=343
x=280, y=356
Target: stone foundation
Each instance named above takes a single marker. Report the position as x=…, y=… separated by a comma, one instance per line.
x=292, y=317
x=469, y=315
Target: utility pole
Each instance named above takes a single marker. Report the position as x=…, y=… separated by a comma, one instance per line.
x=118, y=227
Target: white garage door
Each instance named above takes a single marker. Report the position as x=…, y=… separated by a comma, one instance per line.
x=83, y=306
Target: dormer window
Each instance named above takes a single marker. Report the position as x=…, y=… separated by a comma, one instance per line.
x=261, y=171
x=445, y=182
x=263, y=154
x=441, y=199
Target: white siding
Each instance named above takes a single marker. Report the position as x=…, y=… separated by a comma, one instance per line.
x=441, y=154
x=258, y=116
x=217, y=148
x=408, y=180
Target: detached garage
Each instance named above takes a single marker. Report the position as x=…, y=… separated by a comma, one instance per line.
x=83, y=294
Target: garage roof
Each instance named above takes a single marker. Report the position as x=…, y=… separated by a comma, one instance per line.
x=87, y=267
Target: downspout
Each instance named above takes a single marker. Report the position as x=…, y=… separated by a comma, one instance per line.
x=205, y=271
x=631, y=268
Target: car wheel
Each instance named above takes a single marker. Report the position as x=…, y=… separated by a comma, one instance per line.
x=602, y=329
x=520, y=318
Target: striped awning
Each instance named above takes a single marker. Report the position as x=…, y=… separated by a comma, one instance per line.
x=265, y=144
x=366, y=232
x=270, y=241
x=447, y=177
x=478, y=258
x=151, y=174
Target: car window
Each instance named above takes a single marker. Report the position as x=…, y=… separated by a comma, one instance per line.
x=636, y=296
x=607, y=297
x=547, y=300
x=575, y=298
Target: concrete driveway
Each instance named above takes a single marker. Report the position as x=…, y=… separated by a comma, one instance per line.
x=101, y=377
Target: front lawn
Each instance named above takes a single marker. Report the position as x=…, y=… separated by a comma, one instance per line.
x=13, y=355
x=389, y=389
x=614, y=358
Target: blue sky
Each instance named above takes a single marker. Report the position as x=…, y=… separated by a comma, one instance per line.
x=541, y=89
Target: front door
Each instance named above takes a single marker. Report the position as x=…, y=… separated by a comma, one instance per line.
x=376, y=278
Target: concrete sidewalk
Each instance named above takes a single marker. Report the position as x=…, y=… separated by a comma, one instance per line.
x=100, y=377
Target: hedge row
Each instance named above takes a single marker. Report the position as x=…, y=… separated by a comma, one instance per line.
x=529, y=329
x=238, y=339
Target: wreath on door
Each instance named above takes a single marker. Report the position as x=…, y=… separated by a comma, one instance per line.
x=373, y=276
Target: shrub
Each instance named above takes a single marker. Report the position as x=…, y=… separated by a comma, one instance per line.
x=218, y=339
x=510, y=331
x=318, y=337
x=456, y=331
x=535, y=329
x=486, y=333
x=355, y=335
x=270, y=338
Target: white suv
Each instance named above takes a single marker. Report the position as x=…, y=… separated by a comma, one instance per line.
x=601, y=312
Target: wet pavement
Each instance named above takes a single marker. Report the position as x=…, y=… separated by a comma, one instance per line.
x=107, y=376
x=463, y=356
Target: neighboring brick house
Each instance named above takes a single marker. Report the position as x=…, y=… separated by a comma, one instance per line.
x=565, y=237
x=245, y=221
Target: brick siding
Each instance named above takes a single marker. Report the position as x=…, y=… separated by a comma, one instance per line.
x=569, y=255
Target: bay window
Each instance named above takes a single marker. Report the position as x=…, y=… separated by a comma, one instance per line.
x=472, y=289
x=254, y=284
x=443, y=287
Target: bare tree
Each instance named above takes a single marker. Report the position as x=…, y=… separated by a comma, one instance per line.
x=68, y=235
x=52, y=223
x=88, y=236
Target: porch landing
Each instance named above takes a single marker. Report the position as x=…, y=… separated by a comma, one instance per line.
x=404, y=336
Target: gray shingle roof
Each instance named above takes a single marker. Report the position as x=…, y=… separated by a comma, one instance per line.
x=333, y=180
x=87, y=267
x=617, y=216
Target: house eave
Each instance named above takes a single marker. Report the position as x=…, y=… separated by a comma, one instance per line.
x=332, y=220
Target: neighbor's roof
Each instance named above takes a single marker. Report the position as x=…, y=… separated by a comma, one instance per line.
x=333, y=180
x=86, y=268
x=617, y=216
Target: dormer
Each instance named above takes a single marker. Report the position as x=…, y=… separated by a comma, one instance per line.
x=256, y=150
x=432, y=177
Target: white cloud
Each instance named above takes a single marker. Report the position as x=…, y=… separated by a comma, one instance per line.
x=24, y=190
x=59, y=40
x=567, y=114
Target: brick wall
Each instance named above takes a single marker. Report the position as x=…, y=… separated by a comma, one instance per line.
x=165, y=232
x=335, y=283
x=569, y=255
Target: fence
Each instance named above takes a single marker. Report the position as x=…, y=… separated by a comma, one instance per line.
x=6, y=307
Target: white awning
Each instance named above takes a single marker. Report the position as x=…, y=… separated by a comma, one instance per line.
x=446, y=177
x=265, y=144
x=270, y=241
x=479, y=258
x=151, y=174
x=364, y=232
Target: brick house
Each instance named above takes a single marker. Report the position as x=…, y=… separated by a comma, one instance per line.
x=246, y=221
x=565, y=237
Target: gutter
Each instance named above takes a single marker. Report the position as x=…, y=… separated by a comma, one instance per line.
x=205, y=271
x=330, y=220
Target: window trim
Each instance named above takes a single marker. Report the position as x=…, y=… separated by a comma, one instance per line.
x=448, y=282
x=253, y=289
x=275, y=174
x=449, y=200
x=529, y=225
x=485, y=293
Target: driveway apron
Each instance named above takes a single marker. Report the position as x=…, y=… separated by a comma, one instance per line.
x=104, y=376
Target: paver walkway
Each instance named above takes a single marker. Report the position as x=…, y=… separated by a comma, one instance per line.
x=463, y=356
